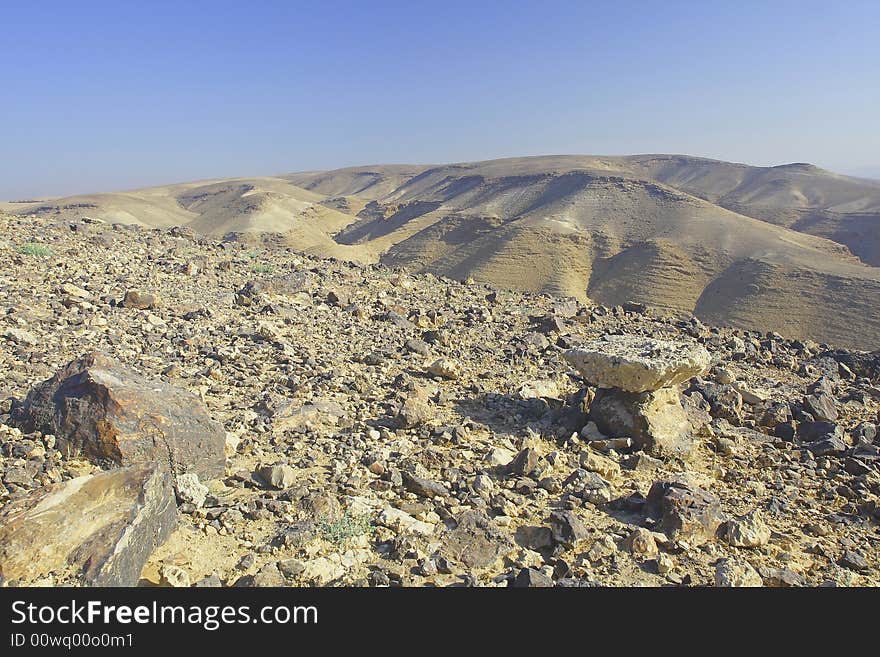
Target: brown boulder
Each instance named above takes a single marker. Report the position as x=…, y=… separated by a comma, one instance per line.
x=102, y=409
x=686, y=512
x=96, y=530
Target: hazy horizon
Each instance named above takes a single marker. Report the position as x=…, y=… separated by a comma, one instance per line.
x=104, y=97
x=872, y=173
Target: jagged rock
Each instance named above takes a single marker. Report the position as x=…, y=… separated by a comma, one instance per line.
x=526, y=463
x=423, y=487
x=736, y=573
x=445, y=368
x=141, y=300
x=656, y=421
x=637, y=364
x=822, y=406
x=642, y=543
x=748, y=531
x=96, y=529
x=530, y=577
x=724, y=402
x=476, y=541
x=278, y=476
x=602, y=465
x=534, y=538
x=567, y=528
x=686, y=513
x=102, y=409
x=191, y=490
x=413, y=411
x=400, y=521
x=588, y=486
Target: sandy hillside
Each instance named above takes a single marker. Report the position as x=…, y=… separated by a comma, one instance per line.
x=787, y=248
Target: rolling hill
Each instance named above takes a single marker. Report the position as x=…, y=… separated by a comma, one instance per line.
x=790, y=248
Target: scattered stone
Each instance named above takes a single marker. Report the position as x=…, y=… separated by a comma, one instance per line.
x=191, y=490
x=748, y=531
x=445, y=368
x=854, y=560
x=423, y=487
x=278, y=476
x=642, y=543
x=736, y=573
x=529, y=577
x=476, y=541
x=686, y=513
x=140, y=300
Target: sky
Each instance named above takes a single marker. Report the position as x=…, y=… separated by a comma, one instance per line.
x=103, y=96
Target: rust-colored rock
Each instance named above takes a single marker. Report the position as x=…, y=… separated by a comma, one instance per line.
x=96, y=530
x=97, y=407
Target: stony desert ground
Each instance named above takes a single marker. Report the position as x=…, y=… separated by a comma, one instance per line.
x=182, y=409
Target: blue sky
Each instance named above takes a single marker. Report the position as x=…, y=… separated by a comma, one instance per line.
x=100, y=96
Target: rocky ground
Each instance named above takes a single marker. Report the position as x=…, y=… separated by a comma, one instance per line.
x=388, y=429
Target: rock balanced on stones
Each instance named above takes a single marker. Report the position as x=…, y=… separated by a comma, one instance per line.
x=636, y=397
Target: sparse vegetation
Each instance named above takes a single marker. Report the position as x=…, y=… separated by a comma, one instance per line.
x=347, y=527
x=262, y=268
x=36, y=250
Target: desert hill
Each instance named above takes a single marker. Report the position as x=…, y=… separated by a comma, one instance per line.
x=784, y=248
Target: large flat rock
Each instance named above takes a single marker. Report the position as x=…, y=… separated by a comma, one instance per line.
x=637, y=364
x=99, y=408
x=96, y=530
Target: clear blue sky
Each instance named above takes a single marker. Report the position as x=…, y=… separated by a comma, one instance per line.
x=100, y=96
